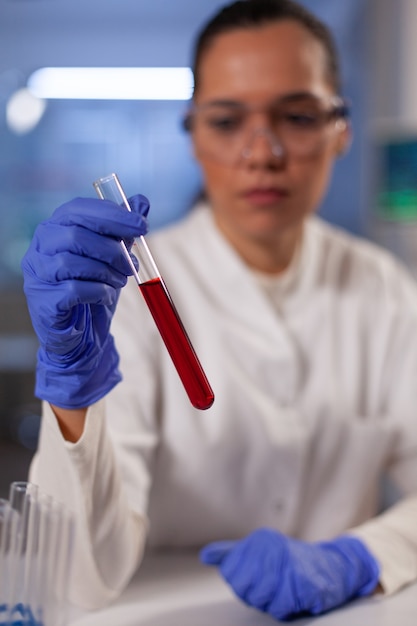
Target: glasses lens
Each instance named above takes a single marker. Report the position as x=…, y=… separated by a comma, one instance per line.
x=303, y=126
x=228, y=133
x=221, y=132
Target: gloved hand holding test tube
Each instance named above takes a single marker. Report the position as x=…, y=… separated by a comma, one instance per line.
x=161, y=306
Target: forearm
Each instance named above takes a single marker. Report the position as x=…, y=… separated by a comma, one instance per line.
x=71, y=422
x=109, y=536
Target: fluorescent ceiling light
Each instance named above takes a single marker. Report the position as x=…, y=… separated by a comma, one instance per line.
x=112, y=83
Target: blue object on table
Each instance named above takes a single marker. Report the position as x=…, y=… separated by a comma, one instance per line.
x=20, y=616
x=287, y=577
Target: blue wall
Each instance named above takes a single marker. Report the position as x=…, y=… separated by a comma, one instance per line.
x=78, y=141
x=347, y=202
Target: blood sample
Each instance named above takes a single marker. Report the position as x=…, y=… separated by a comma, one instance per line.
x=161, y=306
x=177, y=343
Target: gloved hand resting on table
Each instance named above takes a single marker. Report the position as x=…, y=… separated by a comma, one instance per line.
x=73, y=272
x=286, y=577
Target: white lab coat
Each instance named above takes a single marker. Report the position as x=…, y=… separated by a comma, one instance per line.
x=315, y=379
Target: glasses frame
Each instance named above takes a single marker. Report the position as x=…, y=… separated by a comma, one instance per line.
x=338, y=109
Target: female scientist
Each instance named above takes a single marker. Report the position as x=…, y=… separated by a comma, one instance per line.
x=308, y=337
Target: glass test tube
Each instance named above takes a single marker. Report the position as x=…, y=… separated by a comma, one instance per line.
x=161, y=306
x=22, y=498
x=9, y=558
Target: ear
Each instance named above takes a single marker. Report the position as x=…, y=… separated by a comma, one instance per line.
x=344, y=138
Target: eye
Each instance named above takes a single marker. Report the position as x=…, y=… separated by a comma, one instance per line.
x=302, y=119
x=224, y=123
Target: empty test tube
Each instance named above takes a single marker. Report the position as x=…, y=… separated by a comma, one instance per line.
x=36, y=533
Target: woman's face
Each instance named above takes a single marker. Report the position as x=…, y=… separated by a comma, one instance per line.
x=262, y=195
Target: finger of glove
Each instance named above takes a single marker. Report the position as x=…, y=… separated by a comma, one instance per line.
x=238, y=573
x=307, y=582
x=139, y=204
x=214, y=553
x=254, y=569
x=362, y=570
x=63, y=296
x=268, y=579
x=134, y=261
x=101, y=216
x=51, y=239
x=243, y=569
x=66, y=266
x=343, y=566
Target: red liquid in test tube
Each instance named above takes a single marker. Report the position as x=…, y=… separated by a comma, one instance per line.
x=162, y=307
x=177, y=343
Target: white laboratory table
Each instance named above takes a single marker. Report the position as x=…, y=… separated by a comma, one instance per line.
x=174, y=589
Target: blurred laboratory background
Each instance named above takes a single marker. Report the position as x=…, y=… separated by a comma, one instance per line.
x=59, y=135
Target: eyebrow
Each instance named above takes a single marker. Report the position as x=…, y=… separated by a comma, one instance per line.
x=291, y=97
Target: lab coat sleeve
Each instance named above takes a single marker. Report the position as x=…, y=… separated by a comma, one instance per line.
x=392, y=539
x=392, y=536
x=109, y=535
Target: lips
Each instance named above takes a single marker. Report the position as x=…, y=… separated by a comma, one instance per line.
x=264, y=196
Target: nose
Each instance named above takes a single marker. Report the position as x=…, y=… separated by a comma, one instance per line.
x=263, y=143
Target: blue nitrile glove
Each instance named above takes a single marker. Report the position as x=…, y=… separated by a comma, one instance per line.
x=73, y=272
x=20, y=615
x=288, y=577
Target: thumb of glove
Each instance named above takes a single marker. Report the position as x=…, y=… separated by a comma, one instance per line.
x=214, y=553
